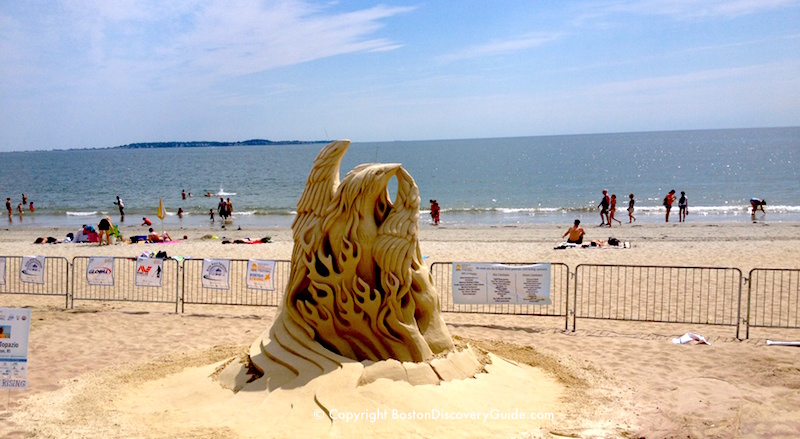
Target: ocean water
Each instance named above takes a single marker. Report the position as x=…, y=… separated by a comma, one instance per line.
x=503, y=181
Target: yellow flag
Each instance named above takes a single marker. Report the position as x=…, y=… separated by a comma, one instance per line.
x=161, y=211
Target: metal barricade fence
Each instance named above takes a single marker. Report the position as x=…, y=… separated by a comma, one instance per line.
x=442, y=275
x=125, y=288
x=55, y=279
x=703, y=295
x=237, y=294
x=773, y=298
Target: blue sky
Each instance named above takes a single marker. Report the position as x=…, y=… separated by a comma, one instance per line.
x=100, y=73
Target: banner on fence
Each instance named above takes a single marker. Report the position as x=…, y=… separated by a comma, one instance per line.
x=15, y=327
x=260, y=274
x=100, y=271
x=32, y=269
x=2, y=271
x=216, y=273
x=148, y=272
x=498, y=284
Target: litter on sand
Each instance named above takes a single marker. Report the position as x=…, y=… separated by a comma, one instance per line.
x=690, y=336
x=783, y=343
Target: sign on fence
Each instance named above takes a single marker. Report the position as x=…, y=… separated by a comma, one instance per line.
x=216, y=273
x=148, y=272
x=15, y=326
x=497, y=284
x=32, y=269
x=100, y=271
x=260, y=274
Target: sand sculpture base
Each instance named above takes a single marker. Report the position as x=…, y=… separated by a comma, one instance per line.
x=465, y=394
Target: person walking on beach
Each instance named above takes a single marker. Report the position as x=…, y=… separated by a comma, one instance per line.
x=668, y=200
x=604, y=202
x=756, y=203
x=221, y=208
x=612, y=209
x=575, y=233
x=121, y=206
x=683, y=207
x=211, y=214
x=229, y=208
x=631, y=218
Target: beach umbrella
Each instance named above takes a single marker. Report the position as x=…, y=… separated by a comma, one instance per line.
x=162, y=213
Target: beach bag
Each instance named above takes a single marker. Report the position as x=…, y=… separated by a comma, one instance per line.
x=613, y=241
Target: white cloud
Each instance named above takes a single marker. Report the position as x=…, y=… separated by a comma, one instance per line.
x=501, y=47
x=686, y=9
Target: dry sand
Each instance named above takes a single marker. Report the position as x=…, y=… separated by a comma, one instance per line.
x=114, y=369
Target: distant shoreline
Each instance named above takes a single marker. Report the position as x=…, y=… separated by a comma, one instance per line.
x=201, y=144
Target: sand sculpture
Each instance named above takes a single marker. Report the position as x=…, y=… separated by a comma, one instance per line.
x=358, y=290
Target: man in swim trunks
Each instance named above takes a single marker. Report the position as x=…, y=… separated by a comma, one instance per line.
x=604, y=209
x=575, y=233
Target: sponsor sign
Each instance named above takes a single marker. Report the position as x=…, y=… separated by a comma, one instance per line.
x=216, y=273
x=100, y=271
x=32, y=269
x=15, y=327
x=149, y=272
x=260, y=274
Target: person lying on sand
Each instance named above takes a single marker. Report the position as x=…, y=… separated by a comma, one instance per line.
x=155, y=237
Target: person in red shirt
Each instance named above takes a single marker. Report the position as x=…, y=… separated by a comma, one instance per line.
x=668, y=200
x=146, y=222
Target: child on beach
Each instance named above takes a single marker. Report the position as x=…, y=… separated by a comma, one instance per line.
x=613, y=208
x=631, y=218
x=211, y=214
x=683, y=207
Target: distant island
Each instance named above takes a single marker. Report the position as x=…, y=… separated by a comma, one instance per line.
x=253, y=142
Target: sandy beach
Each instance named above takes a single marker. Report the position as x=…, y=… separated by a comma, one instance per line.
x=91, y=366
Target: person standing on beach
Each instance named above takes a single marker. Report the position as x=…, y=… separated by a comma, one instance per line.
x=668, y=200
x=221, y=208
x=435, y=212
x=211, y=214
x=229, y=208
x=121, y=206
x=612, y=209
x=8, y=206
x=631, y=218
x=683, y=207
x=31, y=206
x=604, y=202
x=103, y=227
